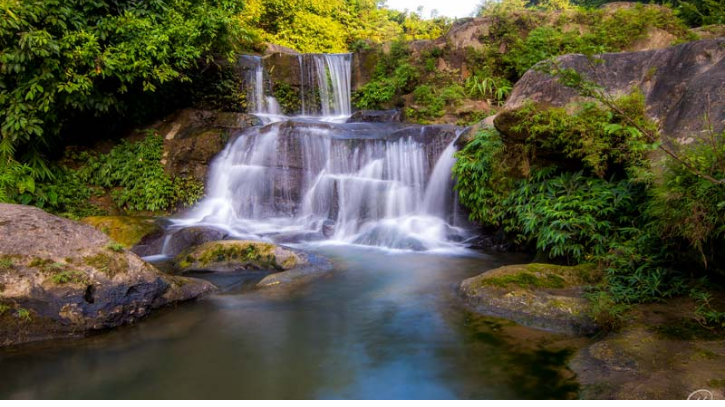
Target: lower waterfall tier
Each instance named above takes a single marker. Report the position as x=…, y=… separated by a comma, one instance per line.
x=386, y=185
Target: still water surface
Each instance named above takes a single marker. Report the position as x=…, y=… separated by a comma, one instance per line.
x=383, y=325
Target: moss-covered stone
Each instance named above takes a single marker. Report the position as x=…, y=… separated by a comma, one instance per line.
x=543, y=296
x=233, y=255
x=126, y=230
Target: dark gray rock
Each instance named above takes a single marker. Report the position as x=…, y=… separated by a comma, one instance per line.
x=62, y=278
x=376, y=116
x=185, y=238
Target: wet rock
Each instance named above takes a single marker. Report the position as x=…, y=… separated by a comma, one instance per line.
x=541, y=296
x=376, y=116
x=185, y=238
x=311, y=268
x=235, y=255
x=62, y=278
x=193, y=137
x=328, y=228
x=660, y=352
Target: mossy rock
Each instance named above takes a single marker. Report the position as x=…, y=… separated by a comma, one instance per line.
x=543, y=296
x=126, y=230
x=235, y=255
x=540, y=275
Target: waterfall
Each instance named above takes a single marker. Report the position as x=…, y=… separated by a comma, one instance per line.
x=258, y=86
x=375, y=184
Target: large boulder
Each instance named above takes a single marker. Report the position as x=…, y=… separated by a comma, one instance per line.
x=680, y=84
x=193, y=137
x=62, y=278
x=542, y=296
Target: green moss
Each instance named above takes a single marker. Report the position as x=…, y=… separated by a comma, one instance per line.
x=70, y=277
x=526, y=280
x=6, y=262
x=4, y=308
x=110, y=265
x=126, y=230
x=252, y=252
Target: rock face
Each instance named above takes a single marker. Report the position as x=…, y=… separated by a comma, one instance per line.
x=62, y=278
x=680, y=84
x=193, y=137
x=235, y=255
x=542, y=296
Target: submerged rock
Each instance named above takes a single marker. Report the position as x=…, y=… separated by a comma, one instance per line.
x=660, y=352
x=311, y=267
x=541, y=296
x=235, y=255
x=61, y=278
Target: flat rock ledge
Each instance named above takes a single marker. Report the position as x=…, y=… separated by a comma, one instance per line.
x=288, y=266
x=541, y=296
x=60, y=278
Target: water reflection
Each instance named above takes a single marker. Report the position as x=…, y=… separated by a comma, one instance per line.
x=382, y=326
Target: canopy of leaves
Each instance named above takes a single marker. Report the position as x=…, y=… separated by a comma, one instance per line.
x=61, y=59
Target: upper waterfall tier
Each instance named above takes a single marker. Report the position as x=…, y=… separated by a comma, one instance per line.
x=310, y=85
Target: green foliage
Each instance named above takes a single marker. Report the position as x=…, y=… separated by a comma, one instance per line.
x=490, y=88
x=131, y=173
x=689, y=210
x=431, y=102
x=335, y=25
x=287, y=97
x=393, y=76
x=530, y=33
x=63, y=59
x=3, y=309
x=569, y=215
x=483, y=170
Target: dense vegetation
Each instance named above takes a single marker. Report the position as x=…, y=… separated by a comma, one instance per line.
x=519, y=37
x=579, y=188
x=70, y=70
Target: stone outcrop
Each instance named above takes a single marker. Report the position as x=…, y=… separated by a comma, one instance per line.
x=193, y=137
x=61, y=278
x=680, y=84
x=542, y=296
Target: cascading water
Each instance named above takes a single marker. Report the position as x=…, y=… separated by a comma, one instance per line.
x=257, y=85
x=325, y=84
x=386, y=185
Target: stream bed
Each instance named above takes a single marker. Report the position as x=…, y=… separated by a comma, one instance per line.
x=383, y=325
